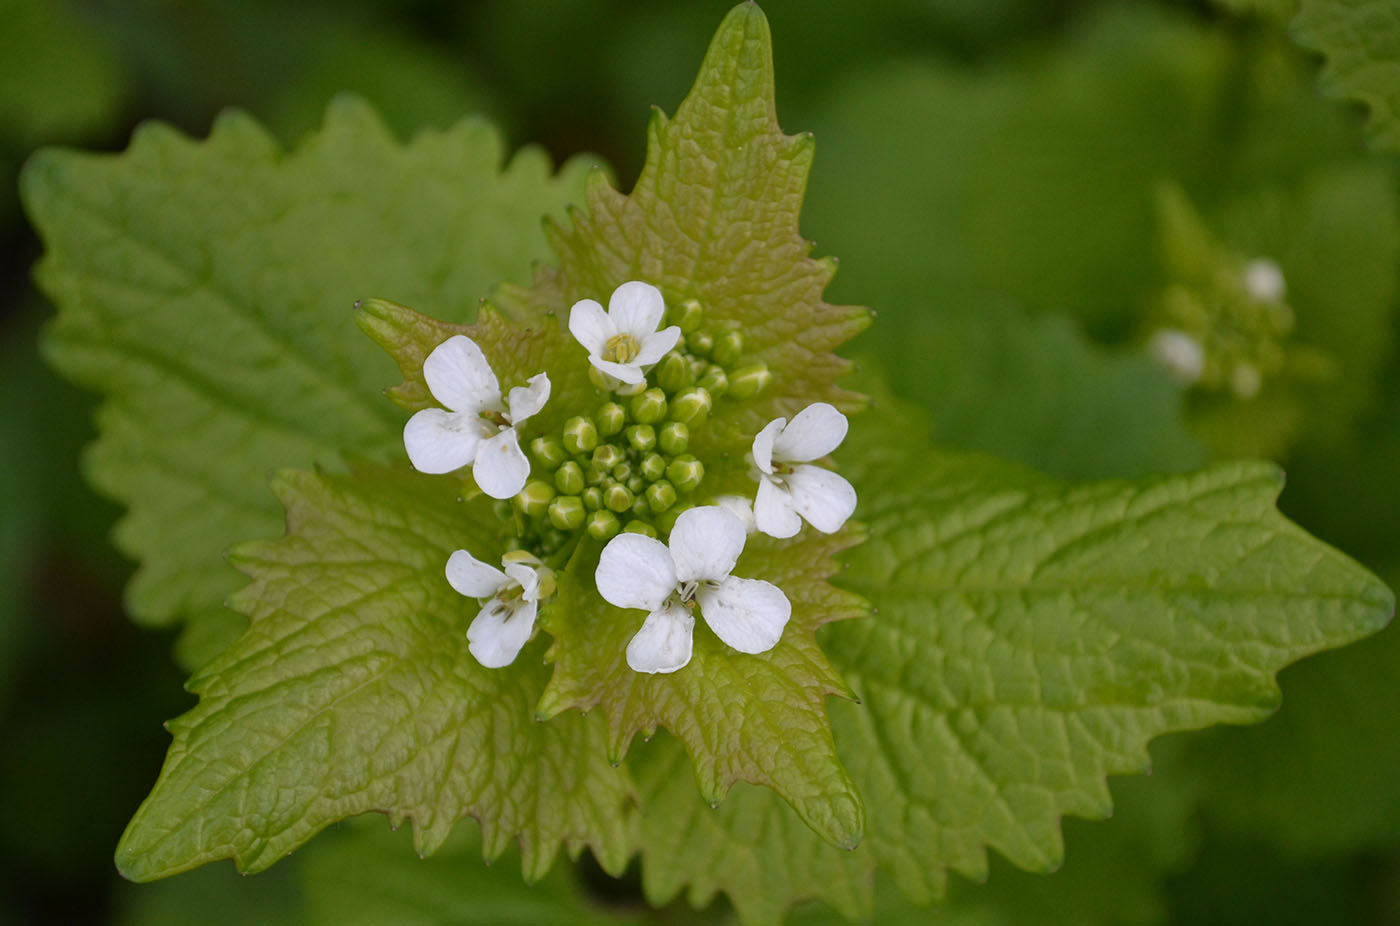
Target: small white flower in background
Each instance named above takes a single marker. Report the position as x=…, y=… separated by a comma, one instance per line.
x=1179, y=353
x=789, y=489
x=636, y=571
x=623, y=341
x=741, y=508
x=1263, y=280
x=509, y=602
x=477, y=427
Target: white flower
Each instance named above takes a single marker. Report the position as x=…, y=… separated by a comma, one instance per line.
x=509, y=602
x=786, y=491
x=741, y=507
x=477, y=427
x=624, y=340
x=636, y=571
x=1179, y=353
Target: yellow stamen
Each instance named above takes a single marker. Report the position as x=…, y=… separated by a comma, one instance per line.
x=621, y=348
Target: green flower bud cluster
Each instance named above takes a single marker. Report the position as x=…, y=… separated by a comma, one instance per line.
x=708, y=358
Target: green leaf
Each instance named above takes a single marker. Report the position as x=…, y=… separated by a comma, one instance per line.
x=205, y=287
x=366, y=874
x=1057, y=631
x=1361, y=41
x=353, y=691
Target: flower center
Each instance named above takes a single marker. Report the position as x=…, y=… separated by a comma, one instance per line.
x=621, y=348
x=497, y=418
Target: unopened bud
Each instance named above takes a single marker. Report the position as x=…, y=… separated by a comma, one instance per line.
x=640, y=508
x=592, y=498
x=701, y=343
x=666, y=520
x=728, y=348
x=610, y=419
x=688, y=315
x=606, y=456
x=568, y=479
x=618, y=498
x=636, y=483
x=566, y=512
x=603, y=525
x=622, y=471
x=691, y=407
x=673, y=372
x=652, y=467
x=637, y=526
x=685, y=473
x=580, y=435
x=673, y=437
x=661, y=496
x=747, y=382
x=549, y=451
x=642, y=437
x=535, y=497
x=649, y=407
x=715, y=381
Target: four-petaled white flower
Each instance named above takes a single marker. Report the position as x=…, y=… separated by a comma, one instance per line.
x=788, y=486
x=624, y=340
x=636, y=571
x=509, y=602
x=477, y=427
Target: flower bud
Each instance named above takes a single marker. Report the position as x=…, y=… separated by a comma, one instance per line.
x=606, y=456
x=691, y=407
x=636, y=484
x=637, y=526
x=642, y=437
x=622, y=471
x=747, y=382
x=603, y=525
x=652, y=466
x=688, y=315
x=568, y=479
x=685, y=473
x=715, y=381
x=728, y=348
x=701, y=343
x=580, y=435
x=592, y=498
x=673, y=373
x=649, y=407
x=549, y=451
x=610, y=419
x=640, y=508
x=660, y=496
x=566, y=512
x=535, y=497
x=594, y=475
x=673, y=437
x=618, y=498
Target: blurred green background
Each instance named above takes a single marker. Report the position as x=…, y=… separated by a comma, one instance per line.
x=991, y=175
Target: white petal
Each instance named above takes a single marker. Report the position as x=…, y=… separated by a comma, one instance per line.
x=473, y=578
x=664, y=642
x=527, y=577
x=812, y=433
x=635, y=572
x=741, y=507
x=499, y=632
x=528, y=399
x=824, y=498
x=706, y=543
x=439, y=441
x=590, y=325
x=763, y=444
x=657, y=345
x=460, y=378
x=501, y=468
x=1264, y=281
x=628, y=373
x=773, y=511
x=636, y=308
x=747, y=614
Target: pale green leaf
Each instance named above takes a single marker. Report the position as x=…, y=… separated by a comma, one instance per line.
x=353, y=691
x=1361, y=41
x=1056, y=632
x=205, y=289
